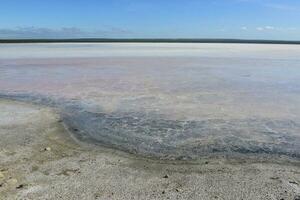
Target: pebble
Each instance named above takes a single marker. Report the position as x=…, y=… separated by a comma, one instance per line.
x=12, y=181
x=293, y=182
x=47, y=149
x=1, y=175
x=274, y=178
x=166, y=176
x=20, y=186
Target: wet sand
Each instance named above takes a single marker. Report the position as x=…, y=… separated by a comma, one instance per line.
x=219, y=120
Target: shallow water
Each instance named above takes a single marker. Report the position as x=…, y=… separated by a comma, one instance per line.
x=177, y=101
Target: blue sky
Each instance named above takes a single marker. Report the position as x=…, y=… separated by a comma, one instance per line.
x=248, y=19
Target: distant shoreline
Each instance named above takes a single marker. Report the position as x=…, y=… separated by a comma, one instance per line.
x=111, y=40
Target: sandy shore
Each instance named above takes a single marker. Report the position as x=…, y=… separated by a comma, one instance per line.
x=181, y=121
x=40, y=160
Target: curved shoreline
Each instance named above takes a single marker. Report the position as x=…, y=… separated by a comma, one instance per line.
x=40, y=161
x=153, y=137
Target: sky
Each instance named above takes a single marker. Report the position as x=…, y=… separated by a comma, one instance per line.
x=240, y=19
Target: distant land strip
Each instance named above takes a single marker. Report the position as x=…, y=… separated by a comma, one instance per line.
x=150, y=40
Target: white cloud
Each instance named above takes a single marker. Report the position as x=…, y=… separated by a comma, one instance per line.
x=265, y=28
x=269, y=28
x=259, y=28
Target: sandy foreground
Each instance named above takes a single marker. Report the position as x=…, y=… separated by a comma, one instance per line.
x=149, y=121
x=40, y=160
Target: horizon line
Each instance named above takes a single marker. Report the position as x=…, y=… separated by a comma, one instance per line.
x=149, y=40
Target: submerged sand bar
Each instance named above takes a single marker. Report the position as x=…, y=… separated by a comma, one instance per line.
x=171, y=101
